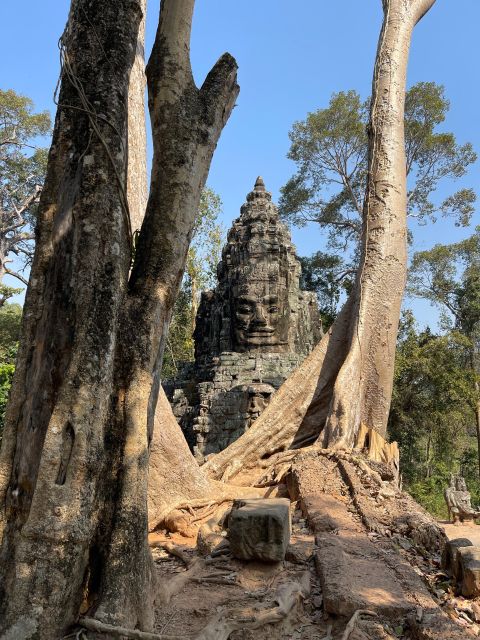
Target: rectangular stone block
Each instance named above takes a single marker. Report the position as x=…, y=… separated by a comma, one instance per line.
x=450, y=554
x=260, y=529
x=468, y=571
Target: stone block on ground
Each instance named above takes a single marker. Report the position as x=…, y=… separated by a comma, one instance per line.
x=353, y=577
x=260, y=529
x=468, y=572
x=449, y=554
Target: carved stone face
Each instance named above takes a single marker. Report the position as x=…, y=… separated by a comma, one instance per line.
x=260, y=317
x=258, y=397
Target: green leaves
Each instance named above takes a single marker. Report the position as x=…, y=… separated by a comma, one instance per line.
x=200, y=274
x=432, y=414
x=10, y=321
x=329, y=148
x=18, y=123
x=22, y=170
x=328, y=276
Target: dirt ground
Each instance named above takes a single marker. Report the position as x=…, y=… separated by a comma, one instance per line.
x=462, y=530
x=229, y=587
x=357, y=544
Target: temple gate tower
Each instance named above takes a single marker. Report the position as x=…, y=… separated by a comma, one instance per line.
x=251, y=331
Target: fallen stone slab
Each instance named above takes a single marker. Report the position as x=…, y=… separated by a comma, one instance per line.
x=260, y=529
x=324, y=513
x=468, y=571
x=353, y=577
x=450, y=554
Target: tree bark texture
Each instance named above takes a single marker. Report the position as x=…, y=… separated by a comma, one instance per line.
x=74, y=458
x=363, y=386
x=347, y=380
x=137, y=180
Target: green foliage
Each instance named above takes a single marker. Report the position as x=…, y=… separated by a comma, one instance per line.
x=432, y=414
x=325, y=274
x=330, y=149
x=200, y=274
x=22, y=170
x=179, y=346
x=6, y=377
x=10, y=321
x=449, y=276
x=429, y=492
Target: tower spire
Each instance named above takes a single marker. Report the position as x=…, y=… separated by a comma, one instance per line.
x=259, y=184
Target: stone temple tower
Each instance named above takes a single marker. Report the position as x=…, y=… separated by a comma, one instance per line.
x=251, y=331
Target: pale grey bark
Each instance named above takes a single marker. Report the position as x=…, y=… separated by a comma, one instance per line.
x=137, y=180
x=363, y=386
x=347, y=380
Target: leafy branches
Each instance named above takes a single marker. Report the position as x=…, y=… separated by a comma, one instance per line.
x=329, y=148
x=22, y=170
x=200, y=274
x=432, y=414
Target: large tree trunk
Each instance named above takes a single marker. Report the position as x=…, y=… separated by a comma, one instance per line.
x=73, y=465
x=347, y=380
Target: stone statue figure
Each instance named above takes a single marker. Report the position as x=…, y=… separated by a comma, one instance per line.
x=251, y=331
x=458, y=501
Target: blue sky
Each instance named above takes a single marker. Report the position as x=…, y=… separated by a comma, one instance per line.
x=291, y=57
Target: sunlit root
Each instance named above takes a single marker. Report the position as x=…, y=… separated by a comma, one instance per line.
x=168, y=589
x=121, y=632
x=353, y=621
x=289, y=597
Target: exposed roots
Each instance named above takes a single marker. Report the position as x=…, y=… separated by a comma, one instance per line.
x=173, y=550
x=353, y=621
x=167, y=590
x=289, y=597
x=121, y=632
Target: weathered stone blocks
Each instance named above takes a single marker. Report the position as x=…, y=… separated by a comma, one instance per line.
x=260, y=529
x=251, y=332
x=450, y=554
x=468, y=571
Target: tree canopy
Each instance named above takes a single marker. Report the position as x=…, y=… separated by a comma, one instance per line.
x=330, y=150
x=22, y=171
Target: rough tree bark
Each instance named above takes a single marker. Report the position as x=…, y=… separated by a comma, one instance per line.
x=347, y=380
x=73, y=464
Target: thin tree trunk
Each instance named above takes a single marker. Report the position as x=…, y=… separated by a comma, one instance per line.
x=427, y=453
x=74, y=459
x=477, y=417
x=347, y=380
x=137, y=180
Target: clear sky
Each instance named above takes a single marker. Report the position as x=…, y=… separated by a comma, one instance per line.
x=291, y=57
